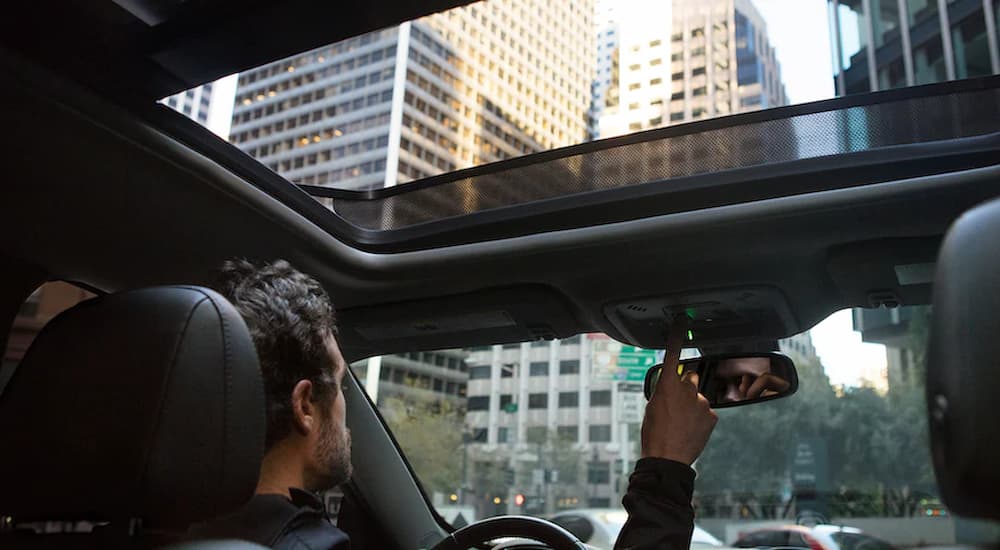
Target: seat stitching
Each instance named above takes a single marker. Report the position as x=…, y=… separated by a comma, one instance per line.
x=163, y=404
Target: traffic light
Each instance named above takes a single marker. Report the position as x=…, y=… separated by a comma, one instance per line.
x=519, y=500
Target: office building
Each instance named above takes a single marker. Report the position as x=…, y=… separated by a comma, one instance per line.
x=713, y=58
x=884, y=44
x=194, y=103
x=456, y=89
x=429, y=376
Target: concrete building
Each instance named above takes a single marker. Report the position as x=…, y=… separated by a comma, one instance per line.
x=884, y=44
x=689, y=60
x=456, y=89
x=194, y=103
x=799, y=348
x=420, y=376
x=891, y=328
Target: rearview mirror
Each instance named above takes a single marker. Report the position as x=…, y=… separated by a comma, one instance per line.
x=730, y=380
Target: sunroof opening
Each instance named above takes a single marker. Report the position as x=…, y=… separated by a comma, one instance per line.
x=500, y=79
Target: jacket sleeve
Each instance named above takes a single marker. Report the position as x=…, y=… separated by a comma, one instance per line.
x=658, y=503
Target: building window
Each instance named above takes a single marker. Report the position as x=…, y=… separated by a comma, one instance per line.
x=600, y=398
x=567, y=433
x=569, y=366
x=536, y=434
x=655, y=81
x=597, y=472
x=538, y=368
x=600, y=433
x=697, y=71
x=503, y=434
x=479, y=403
x=479, y=372
x=538, y=400
x=506, y=399
x=569, y=399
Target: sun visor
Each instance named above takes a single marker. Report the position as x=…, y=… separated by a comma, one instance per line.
x=885, y=272
x=513, y=314
x=963, y=365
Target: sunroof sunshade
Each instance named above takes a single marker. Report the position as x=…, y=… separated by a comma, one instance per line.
x=672, y=158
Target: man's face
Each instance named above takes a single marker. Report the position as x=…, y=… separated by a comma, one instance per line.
x=739, y=374
x=333, y=446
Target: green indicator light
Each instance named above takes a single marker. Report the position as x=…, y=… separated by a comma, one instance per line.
x=690, y=335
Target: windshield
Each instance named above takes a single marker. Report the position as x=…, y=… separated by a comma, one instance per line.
x=500, y=79
x=551, y=429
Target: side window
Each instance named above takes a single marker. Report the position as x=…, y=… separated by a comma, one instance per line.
x=46, y=302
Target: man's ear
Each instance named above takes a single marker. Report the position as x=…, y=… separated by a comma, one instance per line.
x=303, y=408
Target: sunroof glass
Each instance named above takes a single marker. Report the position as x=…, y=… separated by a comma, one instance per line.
x=504, y=78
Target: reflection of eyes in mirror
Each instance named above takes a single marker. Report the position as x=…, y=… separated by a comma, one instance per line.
x=743, y=378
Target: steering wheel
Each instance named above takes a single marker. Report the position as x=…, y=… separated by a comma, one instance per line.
x=489, y=529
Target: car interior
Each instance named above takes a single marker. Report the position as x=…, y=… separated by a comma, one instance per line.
x=123, y=197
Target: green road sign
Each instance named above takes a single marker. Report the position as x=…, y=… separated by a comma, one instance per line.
x=510, y=408
x=634, y=362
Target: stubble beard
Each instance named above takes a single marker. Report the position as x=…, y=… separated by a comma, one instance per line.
x=333, y=456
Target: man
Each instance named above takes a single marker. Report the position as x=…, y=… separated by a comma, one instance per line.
x=308, y=445
x=291, y=321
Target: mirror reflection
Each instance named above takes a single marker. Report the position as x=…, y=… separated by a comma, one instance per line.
x=736, y=379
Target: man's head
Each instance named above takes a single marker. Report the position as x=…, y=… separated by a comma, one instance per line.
x=292, y=323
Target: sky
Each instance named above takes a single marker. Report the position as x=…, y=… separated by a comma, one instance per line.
x=799, y=32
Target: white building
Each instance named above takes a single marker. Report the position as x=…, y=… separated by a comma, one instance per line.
x=688, y=60
x=194, y=103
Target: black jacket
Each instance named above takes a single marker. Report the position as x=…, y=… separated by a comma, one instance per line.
x=299, y=523
x=659, y=509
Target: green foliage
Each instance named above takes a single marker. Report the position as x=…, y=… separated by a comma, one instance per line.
x=878, y=454
x=430, y=433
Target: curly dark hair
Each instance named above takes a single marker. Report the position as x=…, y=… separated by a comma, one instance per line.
x=290, y=316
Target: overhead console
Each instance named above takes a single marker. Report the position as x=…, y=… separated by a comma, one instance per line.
x=721, y=316
x=493, y=316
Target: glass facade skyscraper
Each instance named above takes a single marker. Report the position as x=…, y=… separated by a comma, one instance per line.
x=885, y=44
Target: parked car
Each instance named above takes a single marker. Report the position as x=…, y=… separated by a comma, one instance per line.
x=819, y=537
x=599, y=527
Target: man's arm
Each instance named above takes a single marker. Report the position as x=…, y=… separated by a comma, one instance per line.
x=675, y=429
x=658, y=503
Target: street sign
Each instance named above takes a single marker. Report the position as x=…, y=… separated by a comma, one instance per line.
x=510, y=408
x=631, y=403
x=616, y=361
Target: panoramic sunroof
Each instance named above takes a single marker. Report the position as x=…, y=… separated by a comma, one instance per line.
x=512, y=102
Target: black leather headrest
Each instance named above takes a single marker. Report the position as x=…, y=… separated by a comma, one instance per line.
x=147, y=404
x=963, y=364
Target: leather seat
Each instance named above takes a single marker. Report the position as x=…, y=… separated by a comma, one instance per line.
x=963, y=365
x=142, y=411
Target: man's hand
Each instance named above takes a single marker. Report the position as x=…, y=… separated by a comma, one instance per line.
x=764, y=385
x=678, y=419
